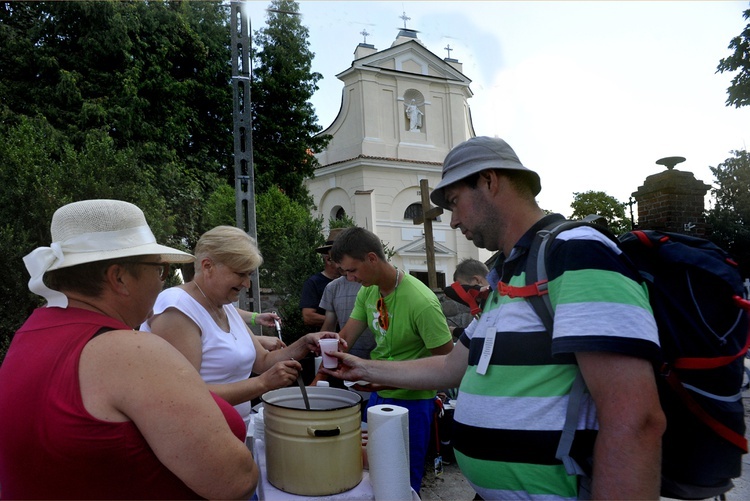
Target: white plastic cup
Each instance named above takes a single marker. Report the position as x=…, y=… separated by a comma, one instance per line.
x=327, y=346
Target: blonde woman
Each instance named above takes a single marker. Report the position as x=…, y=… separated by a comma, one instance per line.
x=198, y=319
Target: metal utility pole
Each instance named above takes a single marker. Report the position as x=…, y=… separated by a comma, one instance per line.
x=244, y=174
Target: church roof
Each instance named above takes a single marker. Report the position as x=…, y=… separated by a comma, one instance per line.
x=418, y=247
x=407, y=57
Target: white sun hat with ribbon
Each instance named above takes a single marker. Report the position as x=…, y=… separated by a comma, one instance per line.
x=94, y=230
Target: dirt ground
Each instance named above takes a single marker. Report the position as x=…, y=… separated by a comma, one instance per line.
x=449, y=485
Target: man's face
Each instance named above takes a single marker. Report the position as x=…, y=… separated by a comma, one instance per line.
x=330, y=267
x=356, y=270
x=469, y=213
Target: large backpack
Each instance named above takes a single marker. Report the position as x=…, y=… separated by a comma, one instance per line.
x=700, y=304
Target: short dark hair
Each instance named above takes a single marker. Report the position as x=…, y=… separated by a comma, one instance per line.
x=469, y=267
x=356, y=243
x=522, y=181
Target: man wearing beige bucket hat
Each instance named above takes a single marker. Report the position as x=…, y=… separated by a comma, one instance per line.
x=312, y=290
x=91, y=408
x=515, y=376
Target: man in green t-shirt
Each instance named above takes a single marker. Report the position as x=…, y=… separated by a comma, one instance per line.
x=407, y=321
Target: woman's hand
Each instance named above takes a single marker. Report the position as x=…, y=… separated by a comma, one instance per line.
x=281, y=374
x=311, y=341
x=267, y=319
x=270, y=342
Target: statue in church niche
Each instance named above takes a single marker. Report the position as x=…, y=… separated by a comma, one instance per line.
x=414, y=116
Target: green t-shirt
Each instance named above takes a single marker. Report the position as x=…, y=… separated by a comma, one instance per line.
x=416, y=324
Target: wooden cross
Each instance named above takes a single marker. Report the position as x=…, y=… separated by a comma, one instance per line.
x=429, y=214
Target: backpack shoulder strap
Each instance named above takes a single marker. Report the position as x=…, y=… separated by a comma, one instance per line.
x=536, y=264
x=536, y=277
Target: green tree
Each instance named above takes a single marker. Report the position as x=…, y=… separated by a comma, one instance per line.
x=285, y=126
x=40, y=172
x=729, y=216
x=341, y=222
x=598, y=202
x=739, y=91
x=288, y=236
x=132, y=100
x=154, y=76
x=126, y=100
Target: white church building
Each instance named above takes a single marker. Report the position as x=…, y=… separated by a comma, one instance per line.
x=402, y=110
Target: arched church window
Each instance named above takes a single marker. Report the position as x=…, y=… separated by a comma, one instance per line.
x=337, y=213
x=414, y=211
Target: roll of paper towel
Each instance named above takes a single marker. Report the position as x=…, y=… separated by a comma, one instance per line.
x=388, y=451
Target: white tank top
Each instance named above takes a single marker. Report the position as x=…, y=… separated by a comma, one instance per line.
x=227, y=356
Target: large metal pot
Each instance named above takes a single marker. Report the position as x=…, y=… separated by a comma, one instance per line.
x=316, y=452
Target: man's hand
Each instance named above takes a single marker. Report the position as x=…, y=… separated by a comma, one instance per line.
x=351, y=368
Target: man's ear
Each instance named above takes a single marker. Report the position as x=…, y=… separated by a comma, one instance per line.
x=116, y=278
x=488, y=178
x=372, y=258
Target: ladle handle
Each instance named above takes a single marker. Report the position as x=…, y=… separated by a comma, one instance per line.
x=304, y=392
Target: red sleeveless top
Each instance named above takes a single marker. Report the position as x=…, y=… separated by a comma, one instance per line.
x=50, y=446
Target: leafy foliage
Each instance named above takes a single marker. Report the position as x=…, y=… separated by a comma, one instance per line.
x=598, y=202
x=132, y=100
x=288, y=236
x=124, y=100
x=739, y=91
x=40, y=172
x=730, y=215
x=152, y=76
x=284, y=121
x=341, y=222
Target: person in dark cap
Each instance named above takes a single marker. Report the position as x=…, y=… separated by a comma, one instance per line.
x=313, y=315
x=514, y=375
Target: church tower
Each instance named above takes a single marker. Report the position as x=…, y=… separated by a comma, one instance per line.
x=402, y=110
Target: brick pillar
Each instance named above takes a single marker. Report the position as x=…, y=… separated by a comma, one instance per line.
x=673, y=201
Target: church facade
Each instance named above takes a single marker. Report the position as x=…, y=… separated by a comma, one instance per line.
x=402, y=110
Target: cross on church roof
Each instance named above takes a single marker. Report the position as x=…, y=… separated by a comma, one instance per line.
x=405, y=18
x=364, y=34
x=448, y=48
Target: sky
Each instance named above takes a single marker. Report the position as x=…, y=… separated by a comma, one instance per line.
x=589, y=94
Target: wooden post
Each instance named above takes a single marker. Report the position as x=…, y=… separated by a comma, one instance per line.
x=428, y=215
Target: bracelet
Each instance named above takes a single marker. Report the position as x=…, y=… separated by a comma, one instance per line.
x=252, y=318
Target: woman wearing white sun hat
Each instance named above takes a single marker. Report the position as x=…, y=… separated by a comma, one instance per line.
x=93, y=409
